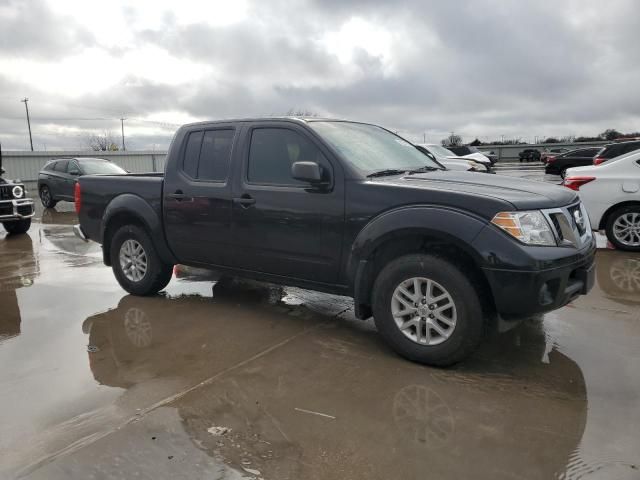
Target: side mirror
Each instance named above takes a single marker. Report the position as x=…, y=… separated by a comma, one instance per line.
x=307, y=172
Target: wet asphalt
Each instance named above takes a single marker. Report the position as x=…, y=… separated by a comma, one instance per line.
x=230, y=379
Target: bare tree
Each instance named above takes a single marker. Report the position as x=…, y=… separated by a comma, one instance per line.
x=452, y=140
x=104, y=142
x=300, y=112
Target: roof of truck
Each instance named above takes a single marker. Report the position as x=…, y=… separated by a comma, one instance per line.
x=279, y=118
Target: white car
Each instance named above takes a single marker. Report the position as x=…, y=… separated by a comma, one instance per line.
x=611, y=194
x=451, y=161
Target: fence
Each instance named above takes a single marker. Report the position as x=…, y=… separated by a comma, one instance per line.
x=26, y=165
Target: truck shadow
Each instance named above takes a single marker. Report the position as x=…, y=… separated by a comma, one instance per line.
x=299, y=394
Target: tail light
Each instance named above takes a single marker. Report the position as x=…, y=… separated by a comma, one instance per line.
x=77, y=197
x=574, y=183
x=551, y=159
x=599, y=160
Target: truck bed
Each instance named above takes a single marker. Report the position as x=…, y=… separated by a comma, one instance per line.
x=100, y=191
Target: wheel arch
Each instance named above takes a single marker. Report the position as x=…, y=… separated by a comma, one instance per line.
x=605, y=216
x=445, y=232
x=129, y=209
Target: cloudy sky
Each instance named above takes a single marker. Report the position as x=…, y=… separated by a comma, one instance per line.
x=481, y=68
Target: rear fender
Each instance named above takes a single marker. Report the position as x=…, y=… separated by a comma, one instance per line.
x=130, y=208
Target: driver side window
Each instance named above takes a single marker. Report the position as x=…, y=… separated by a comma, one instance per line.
x=272, y=151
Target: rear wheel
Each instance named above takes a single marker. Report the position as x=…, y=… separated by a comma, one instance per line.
x=136, y=263
x=623, y=228
x=427, y=310
x=17, y=226
x=46, y=197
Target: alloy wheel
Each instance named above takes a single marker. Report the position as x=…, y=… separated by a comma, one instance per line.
x=133, y=260
x=626, y=229
x=424, y=311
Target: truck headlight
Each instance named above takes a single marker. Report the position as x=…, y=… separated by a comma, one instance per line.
x=530, y=227
x=17, y=191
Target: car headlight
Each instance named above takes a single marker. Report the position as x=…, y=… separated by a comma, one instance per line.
x=17, y=191
x=529, y=227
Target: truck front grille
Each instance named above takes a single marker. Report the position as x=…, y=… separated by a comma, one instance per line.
x=571, y=225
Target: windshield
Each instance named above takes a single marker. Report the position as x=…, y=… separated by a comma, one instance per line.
x=370, y=148
x=440, y=151
x=94, y=167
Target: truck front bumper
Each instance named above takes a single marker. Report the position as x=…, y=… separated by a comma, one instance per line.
x=520, y=293
x=16, y=209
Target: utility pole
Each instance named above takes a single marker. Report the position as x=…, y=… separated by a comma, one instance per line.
x=424, y=137
x=25, y=100
x=122, y=128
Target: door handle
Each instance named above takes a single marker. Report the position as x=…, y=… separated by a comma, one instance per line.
x=179, y=196
x=245, y=201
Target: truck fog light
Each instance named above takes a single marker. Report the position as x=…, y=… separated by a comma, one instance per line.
x=544, y=296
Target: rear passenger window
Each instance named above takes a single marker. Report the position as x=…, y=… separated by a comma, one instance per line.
x=61, y=166
x=207, y=154
x=274, y=150
x=215, y=154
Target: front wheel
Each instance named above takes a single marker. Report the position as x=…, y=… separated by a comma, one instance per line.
x=427, y=310
x=623, y=228
x=136, y=263
x=46, y=197
x=17, y=227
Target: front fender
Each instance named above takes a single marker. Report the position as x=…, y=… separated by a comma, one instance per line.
x=445, y=225
x=130, y=205
x=442, y=223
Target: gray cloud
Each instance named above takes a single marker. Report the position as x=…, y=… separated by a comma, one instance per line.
x=482, y=68
x=30, y=28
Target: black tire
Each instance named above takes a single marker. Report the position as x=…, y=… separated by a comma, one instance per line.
x=46, y=197
x=16, y=227
x=157, y=275
x=470, y=324
x=611, y=220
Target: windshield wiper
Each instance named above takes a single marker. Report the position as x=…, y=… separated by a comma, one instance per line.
x=426, y=168
x=386, y=172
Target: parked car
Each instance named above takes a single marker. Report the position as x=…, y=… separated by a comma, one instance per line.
x=615, y=150
x=452, y=163
x=611, y=195
x=558, y=165
x=351, y=209
x=470, y=152
x=16, y=209
x=529, y=154
x=490, y=154
x=552, y=152
x=57, y=178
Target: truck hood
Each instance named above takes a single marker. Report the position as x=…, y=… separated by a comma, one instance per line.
x=522, y=194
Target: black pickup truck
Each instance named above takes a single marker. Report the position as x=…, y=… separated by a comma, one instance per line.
x=435, y=256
